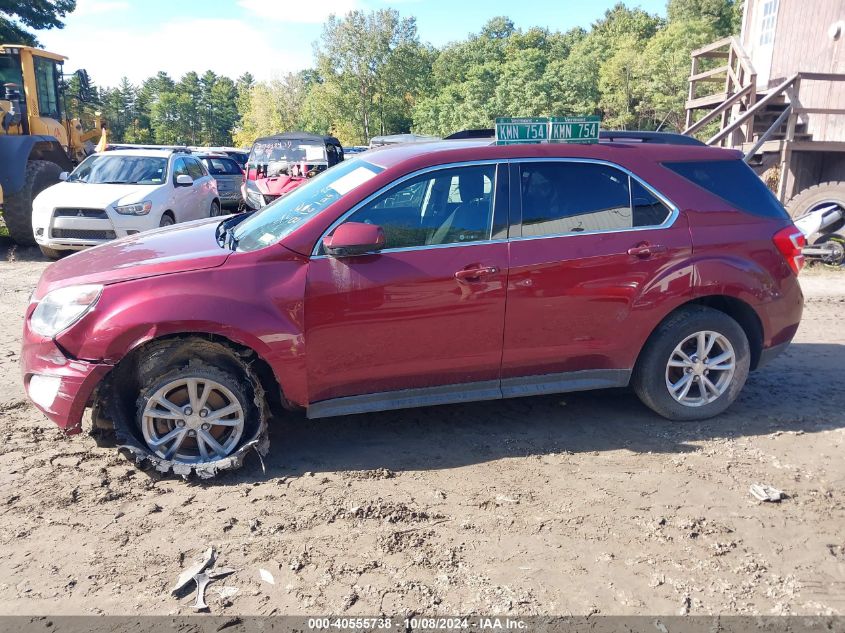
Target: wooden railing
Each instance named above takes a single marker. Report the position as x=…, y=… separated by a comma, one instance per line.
x=737, y=75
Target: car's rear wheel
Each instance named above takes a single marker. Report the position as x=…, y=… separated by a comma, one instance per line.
x=694, y=365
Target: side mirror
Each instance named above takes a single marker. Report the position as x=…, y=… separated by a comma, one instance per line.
x=184, y=180
x=63, y=176
x=354, y=238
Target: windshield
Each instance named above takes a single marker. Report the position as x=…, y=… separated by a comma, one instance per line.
x=278, y=154
x=121, y=170
x=283, y=216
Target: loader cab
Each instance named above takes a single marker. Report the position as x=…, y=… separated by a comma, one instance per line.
x=30, y=84
x=12, y=101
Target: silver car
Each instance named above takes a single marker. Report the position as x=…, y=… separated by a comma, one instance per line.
x=229, y=177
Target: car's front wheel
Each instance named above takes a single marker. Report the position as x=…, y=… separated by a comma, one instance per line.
x=215, y=209
x=694, y=365
x=194, y=415
x=188, y=405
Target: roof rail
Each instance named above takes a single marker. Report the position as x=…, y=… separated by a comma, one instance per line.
x=657, y=138
x=474, y=133
x=171, y=148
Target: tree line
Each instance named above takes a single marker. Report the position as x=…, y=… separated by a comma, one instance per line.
x=373, y=76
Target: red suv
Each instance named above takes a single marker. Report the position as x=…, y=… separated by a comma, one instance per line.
x=424, y=274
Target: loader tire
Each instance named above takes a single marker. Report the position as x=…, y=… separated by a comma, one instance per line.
x=17, y=208
x=832, y=192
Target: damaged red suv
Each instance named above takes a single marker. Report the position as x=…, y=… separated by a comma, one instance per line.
x=424, y=274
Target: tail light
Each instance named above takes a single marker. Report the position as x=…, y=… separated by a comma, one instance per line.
x=790, y=242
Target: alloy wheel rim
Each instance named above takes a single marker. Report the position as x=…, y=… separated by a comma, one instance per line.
x=700, y=369
x=192, y=421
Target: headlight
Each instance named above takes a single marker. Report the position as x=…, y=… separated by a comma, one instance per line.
x=255, y=198
x=62, y=308
x=141, y=208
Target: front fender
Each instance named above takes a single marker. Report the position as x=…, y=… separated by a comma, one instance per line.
x=222, y=302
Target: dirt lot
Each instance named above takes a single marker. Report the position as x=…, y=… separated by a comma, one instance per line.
x=553, y=505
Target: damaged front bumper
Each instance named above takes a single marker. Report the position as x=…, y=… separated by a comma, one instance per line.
x=59, y=386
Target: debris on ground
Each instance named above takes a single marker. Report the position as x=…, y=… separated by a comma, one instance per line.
x=202, y=579
x=266, y=576
x=188, y=575
x=766, y=493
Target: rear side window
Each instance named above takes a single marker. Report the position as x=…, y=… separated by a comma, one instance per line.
x=568, y=197
x=195, y=168
x=734, y=182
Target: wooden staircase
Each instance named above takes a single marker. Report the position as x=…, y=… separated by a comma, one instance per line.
x=759, y=122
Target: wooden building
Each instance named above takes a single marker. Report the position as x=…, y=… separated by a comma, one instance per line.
x=776, y=91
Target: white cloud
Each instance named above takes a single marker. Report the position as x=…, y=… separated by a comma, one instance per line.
x=299, y=11
x=94, y=7
x=228, y=47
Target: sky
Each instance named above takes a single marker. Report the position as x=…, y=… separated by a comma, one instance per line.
x=137, y=38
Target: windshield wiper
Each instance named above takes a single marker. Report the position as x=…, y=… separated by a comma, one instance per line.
x=225, y=231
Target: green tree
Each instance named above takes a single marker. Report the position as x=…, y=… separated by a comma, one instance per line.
x=17, y=16
x=664, y=69
x=719, y=14
x=189, y=109
x=272, y=107
x=370, y=67
x=224, y=107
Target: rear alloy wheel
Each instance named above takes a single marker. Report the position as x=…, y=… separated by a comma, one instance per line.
x=694, y=365
x=700, y=369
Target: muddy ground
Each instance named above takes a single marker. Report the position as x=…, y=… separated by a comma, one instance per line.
x=575, y=504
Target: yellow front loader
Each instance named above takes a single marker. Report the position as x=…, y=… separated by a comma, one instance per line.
x=37, y=139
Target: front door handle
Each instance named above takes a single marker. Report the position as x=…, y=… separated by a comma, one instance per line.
x=645, y=250
x=474, y=274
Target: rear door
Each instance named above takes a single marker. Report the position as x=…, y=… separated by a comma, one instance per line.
x=426, y=312
x=598, y=251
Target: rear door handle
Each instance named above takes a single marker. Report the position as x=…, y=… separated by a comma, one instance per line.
x=474, y=274
x=646, y=250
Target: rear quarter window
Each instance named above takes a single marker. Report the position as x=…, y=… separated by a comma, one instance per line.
x=734, y=182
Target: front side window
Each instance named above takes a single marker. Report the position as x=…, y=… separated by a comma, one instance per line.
x=120, y=170
x=46, y=84
x=441, y=207
x=562, y=197
x=180, y=168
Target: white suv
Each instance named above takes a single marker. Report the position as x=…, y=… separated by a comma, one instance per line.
x=122, y=192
